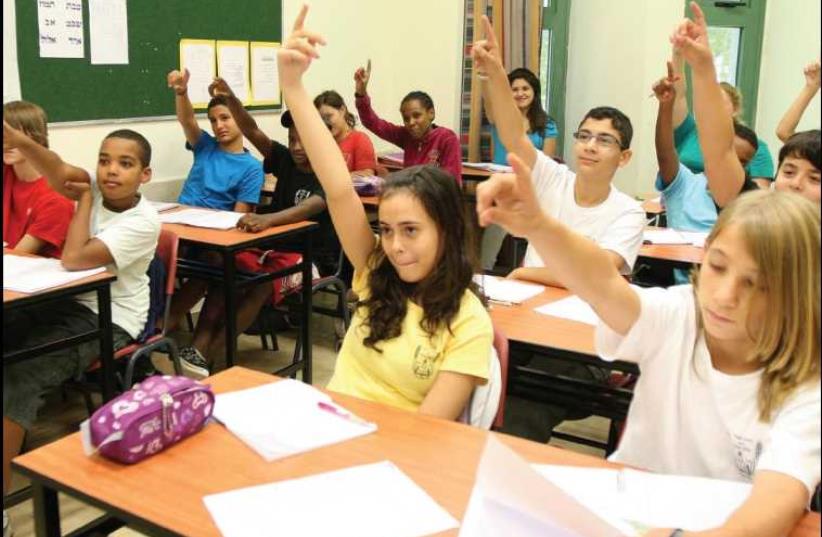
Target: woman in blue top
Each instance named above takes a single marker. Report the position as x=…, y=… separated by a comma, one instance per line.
x=542, y=131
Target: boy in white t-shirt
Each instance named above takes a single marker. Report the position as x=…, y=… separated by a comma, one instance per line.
x=113, y=226
x=585, y=201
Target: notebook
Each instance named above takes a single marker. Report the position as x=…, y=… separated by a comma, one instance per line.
x=31, y=274
x=202, y=218
x=674, y=236
x=506, y=291
x=287, y=417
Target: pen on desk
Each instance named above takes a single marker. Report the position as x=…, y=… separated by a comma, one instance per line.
x=333, y=409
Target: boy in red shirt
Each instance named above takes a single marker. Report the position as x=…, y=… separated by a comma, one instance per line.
x=35, y=217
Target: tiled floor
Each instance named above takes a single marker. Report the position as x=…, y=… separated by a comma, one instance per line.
x=62, y=416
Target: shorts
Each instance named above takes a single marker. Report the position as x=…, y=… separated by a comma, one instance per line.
x=267, y=261
x=26, y=383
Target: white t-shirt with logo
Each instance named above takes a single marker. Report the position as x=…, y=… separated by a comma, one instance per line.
x=131, y=238
x=688, y=418
x=616, y=224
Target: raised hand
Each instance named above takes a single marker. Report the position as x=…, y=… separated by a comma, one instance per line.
x=812, y=75
x=178, y=81
x=485, y=52
x=665, y=88
x=220, y=87
x=509, y=200
x=690, y=39
x=296, y=54
x=361, y=77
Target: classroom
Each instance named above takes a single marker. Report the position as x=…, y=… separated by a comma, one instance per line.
x=564, y=254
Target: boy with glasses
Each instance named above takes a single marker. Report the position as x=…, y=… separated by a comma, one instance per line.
x=585, y=201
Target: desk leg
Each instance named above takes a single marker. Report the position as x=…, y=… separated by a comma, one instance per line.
x=46, y=511
x=305, y=329
x=106, y=341
x=229, y=273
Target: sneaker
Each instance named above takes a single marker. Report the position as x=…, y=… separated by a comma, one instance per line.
x=6, y=525
x=193, y=363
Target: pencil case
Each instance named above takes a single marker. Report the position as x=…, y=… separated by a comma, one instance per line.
x=150, y=417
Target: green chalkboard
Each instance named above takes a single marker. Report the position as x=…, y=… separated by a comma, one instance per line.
x=76, y=90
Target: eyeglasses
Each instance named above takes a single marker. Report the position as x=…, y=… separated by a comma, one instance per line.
x=601, y=139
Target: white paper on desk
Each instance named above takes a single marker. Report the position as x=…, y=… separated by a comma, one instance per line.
x=161, y=206
x=265, y=80
x=372, y=500
x=664, y=236
x=31, y=274
x=283, y=418
x=108, y=32
x=60, y=28
x=697, y=238
x=197, y=55
x=398, y=157
x=232, y=66
x=511, y=498
x=650, y=500
x=489, y=166
x=504, y=290
x=572, y=308
x=202, y=218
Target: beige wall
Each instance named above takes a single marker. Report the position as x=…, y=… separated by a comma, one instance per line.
x=413, y=44
x=791, y=41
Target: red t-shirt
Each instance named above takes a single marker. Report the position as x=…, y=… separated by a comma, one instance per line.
x=33, y=208
x=358, y=152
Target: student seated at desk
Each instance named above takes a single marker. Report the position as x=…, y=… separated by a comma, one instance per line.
x=356, y=146
x=224, y=175
x=729, y=367
x=420, y=338
x=297, y=197
x=586, y=201
x=541, y=130
x=113, y=226
x=35, y=217
x=422, y=141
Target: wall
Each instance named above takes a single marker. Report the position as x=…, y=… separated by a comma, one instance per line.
x=791, y=41
x=618, y=49
x=413, y=44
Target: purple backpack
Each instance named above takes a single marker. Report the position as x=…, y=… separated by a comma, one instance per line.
x=153, y=415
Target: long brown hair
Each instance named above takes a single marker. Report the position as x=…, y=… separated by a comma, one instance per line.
x=781, y=231
x=440, y=293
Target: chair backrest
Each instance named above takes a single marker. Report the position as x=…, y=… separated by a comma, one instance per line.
x=167, y=247
x=501, y=345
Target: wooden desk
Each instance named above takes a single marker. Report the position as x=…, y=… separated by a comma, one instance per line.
x=468, y=173
x=163, y=495
x=681, y=256
x=98, y=283
x=229, y=243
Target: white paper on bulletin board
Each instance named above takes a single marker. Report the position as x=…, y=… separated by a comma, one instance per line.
x=60, y=28
x=265, y=82
x=108, y=32
x=197, y=55
x=232, y=66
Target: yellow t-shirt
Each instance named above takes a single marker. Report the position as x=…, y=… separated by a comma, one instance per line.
x=406, y=369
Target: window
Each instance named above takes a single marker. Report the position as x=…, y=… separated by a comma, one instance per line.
x=735, y=33
x=553, y=61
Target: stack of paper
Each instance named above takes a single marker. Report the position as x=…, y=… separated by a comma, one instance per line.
x=673, y=236
x=287, y=417
x=202, y=218
x=489, y=166
x=32, y=274
x=572, y=308
x=510, y=498
x=373, y=500
x=506, y=291
x=161, y=206
x=398, y=157
x=634, y=500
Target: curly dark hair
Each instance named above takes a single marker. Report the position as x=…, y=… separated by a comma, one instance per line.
x=439, y=294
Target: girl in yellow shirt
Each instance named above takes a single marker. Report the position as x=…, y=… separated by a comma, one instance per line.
x=420, y=338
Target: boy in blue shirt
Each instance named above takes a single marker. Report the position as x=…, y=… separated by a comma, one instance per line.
x=224, y=174
x=693, y=200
